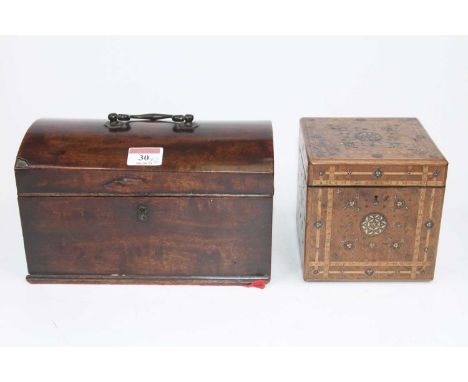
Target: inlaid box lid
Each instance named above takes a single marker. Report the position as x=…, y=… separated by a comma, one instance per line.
x=59, y=156
x=371, y=151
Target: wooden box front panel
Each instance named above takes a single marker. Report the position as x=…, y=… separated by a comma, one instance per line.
x=372, y=233
x=199, y=237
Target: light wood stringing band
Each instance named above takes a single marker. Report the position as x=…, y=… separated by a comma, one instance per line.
x=328, y=231
x=317, y=234
x=428, y=233
x=332, y=180
x=417, y=240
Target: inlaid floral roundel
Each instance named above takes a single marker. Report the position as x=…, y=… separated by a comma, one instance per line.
x=373, y=224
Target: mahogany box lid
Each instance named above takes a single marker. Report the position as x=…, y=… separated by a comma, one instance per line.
x=370, y=152
x=59, y=156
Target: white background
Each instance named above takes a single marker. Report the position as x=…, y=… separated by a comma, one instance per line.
x=281, y=79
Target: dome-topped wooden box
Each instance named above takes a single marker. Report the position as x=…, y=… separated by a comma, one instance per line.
x=146, y=201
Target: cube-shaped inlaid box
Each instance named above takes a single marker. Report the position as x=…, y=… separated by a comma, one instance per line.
x=370, y=198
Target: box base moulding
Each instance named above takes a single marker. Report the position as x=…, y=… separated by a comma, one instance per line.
x=146, y=279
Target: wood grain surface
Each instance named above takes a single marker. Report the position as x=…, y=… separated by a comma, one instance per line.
x=183, y=236
x=84, y=157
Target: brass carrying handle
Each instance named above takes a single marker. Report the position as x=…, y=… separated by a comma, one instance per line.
x=121, y=121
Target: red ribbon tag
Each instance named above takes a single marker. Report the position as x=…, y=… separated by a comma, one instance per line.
x=260, y=284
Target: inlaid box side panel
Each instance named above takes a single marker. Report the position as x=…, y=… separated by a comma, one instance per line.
x=372, y=233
